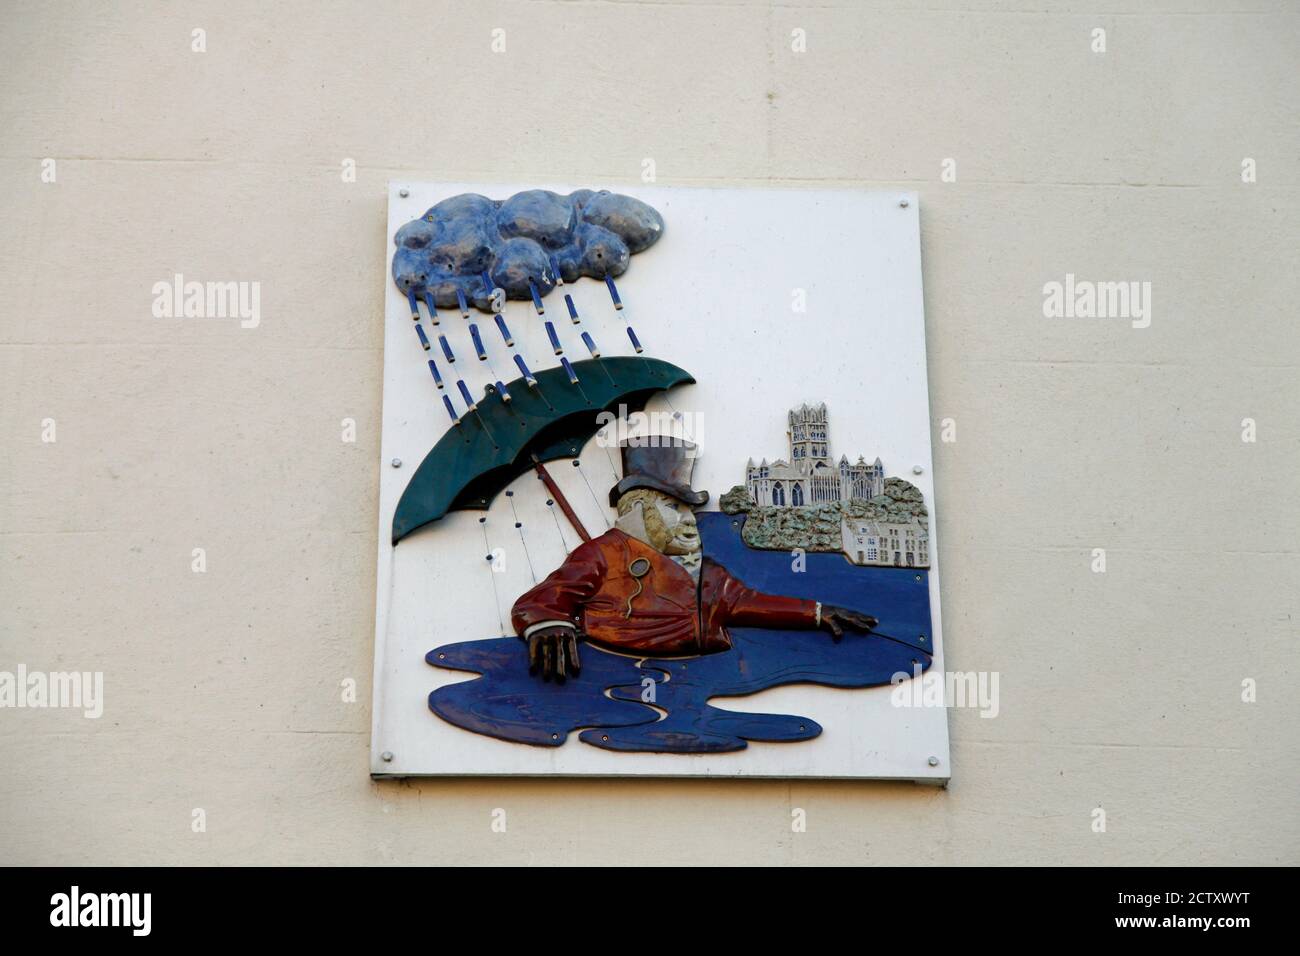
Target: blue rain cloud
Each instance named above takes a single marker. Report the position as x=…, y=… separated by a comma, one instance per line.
x=454, y=243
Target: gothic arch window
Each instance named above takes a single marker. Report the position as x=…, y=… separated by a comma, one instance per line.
x=778, y=494
x=796, y=494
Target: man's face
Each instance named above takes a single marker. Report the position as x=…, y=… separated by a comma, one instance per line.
x=670, y=525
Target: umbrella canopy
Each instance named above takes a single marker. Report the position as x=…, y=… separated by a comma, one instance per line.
x=475, y=460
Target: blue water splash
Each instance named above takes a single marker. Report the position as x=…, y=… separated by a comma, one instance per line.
x=509, y=703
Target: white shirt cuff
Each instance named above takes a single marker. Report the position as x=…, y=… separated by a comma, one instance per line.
x=528, y=631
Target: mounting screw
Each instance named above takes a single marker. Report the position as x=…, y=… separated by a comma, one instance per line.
x=404, y=192
x=933, y=761
x=397, y=463
x=387, y=756
x=903, y=203
x=917, y=469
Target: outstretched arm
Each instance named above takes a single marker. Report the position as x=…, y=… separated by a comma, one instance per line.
x=746, y=606
x=546, y=617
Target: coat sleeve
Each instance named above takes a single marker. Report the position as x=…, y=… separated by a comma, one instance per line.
x=746, y=607
x=561, y=596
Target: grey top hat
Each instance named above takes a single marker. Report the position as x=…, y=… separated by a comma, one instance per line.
x=662, y=463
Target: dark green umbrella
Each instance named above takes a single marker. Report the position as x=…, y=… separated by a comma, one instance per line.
x=553, y=418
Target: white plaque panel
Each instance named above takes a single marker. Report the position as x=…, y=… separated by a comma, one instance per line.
x=718, y=295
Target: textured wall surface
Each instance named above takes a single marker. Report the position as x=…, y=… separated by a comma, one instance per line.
x=1120, y=690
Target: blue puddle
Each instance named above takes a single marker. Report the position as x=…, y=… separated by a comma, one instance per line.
x=507, y=702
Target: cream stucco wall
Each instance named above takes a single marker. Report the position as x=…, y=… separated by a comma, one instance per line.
x=1120, y=690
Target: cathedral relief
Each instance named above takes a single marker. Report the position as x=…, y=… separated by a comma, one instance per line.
x=810, y=477
x=812, y=502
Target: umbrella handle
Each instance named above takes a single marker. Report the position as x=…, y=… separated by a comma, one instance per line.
x=562, y=501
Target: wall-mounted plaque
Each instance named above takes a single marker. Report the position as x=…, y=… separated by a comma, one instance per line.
x=656, y=495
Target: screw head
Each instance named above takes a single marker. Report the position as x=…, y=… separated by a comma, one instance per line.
x=902, y=203
x=933, y=761
x=917, y=469
x=403, y=192
x=397, y=463
x=387, y=756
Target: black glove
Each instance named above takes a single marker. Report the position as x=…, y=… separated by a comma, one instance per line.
x=836, y=619
x=554, y=651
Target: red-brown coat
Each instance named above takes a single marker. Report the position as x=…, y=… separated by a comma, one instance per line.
x=670, y=616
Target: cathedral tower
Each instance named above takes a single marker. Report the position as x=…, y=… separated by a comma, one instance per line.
x=807, y=431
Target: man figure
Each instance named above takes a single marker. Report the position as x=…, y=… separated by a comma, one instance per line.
x=643, y=587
